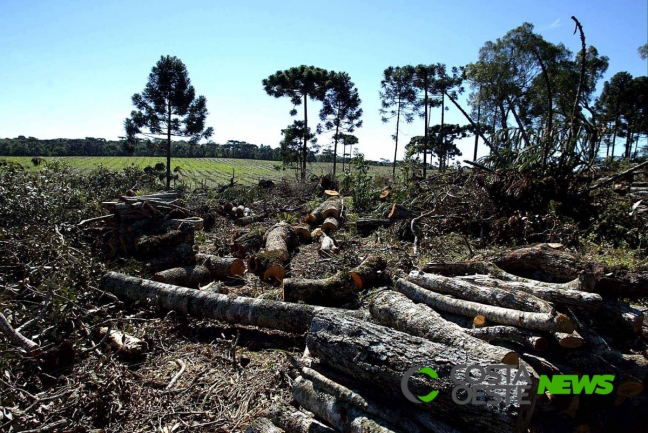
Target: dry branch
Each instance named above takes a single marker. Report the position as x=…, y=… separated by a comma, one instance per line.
x=16, y=336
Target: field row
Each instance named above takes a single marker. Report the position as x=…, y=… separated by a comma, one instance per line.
x=200, y=171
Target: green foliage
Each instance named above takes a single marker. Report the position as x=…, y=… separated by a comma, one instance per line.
x=359, y=183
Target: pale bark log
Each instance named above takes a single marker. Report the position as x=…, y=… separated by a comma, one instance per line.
x=343, y=416
x=280, y=239
x=304, y=232
x=494, y=334
x=294, y=421
x=333, y=291
x=541, y=262
x=379, y=356
x=187, y=276
x=399, y=312
x=327, y=245
x=486, y=295
x=233, y=309
x=262, y=425
x=559, y=294
x=317, y=215
x=221, y=267
x=504, y=316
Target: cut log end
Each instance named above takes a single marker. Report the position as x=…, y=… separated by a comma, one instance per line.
x=331, y=193
x=638, y=325
x=630, y=388
x=479, y=321
x=357, y=279
x=274, y=273
x=564, y=323
x=511, y=358
x=237, y=268
x=569, y=341
x=384, y=195
x=541, y=344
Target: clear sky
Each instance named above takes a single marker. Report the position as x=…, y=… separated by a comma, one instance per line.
x=69, y=68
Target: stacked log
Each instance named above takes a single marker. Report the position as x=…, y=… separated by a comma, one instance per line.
x=155, y=228
x=241, y=214
x=280, y=240
x=327, y=214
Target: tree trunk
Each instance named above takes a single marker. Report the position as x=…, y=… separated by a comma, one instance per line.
x=485, y=295
x=168, y=149
x=569, y=340
x=304, y=233
x=344, y=417
x=379, y=356
x=425, y=135
x=398, y=110
x=397, y=311
x=239, y=310
x=504, y=316
x=221, y=267
x=540, y=262
x=269, y=265
x=188, y=276
x=305, y=146
x=330, y=224
x=246, y=244
x=333, y=291
x=400, y=212
x=369, y=273
x=366, y=225
x=294, y=421
x=494, y=334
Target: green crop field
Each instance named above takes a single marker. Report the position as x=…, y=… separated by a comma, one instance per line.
x=200, y=171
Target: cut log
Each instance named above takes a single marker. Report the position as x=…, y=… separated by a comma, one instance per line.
x=384, y=195
x=504, y=316
x=379, y=357
x=181, y=255
x=344, y=417
x=151, y=246
x=179, y=224
x=221, y=267
x=626, y=284
x=280, y=239
x=330, y=224
x=541, y=262
x=240, y=211
x=370, y=273
x=399, y=212
x=331, y=193
x=316, y=233
x=494, y=334
x=481, y=294
x=124, y=343
x=317, y=215
x=247, y=244
x=365, y=225
x=479, y=321
x=294, y=421
x=284, y=316
x=331, y=208
x=327, y=245
x=187, y=276
x=571, y=340
x=333, y=291
x=247, y=220
x=227, y=207
x=15, y=336
x=405, y=420
x=619, y=319
x=399, y=312
x=559, y=294
x=262, y=425
x=304, y=233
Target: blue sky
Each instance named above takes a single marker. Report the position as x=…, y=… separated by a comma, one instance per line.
x=71, y=67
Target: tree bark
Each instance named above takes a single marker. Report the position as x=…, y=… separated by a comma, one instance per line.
x=379, y=356
x=330, y=224
x=494, y=334
x=279, y=241
x=540, y=262
x=294, y=421
x=262, y=425
x=343, y=416
x=246, y=244
x=399, y=212
x=504, y=316
x=484, y=295
x=188, y=276
x=369, y=273
x=571, y=340
x=232, y=309
x=221, y=267
x=365, y=225
x=333, y=291
x=397, y=311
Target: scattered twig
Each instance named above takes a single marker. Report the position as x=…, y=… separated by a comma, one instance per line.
x=183, y=367
x=91, y=220
x=16, y=336
x=41, y=314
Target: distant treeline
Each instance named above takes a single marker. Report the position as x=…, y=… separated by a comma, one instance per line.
x=91, y=146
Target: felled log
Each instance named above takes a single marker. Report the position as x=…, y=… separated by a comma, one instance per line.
x=481, y=294
x=379, y=357
x=246, y=244
x=331, y=193
x=279, y=241
x=571, y=340
x=240, y=310
x=626, y=284
x=187, y=276
x=364, y=225
x=559, y=294
x=247, y=220
x=330, y=224
x=495, y=334
x=181, y=255
x=541, y=262
x=304, y=232
x=240, y=211
x=150, y=246
x=179, y=224
x=331, y=208
x=293, y=421
x=339, y=289
x=400, y=212
x=399, y=312
x=620, y=319
x=370, y=273
x=262, y=425
x=327, y=245
x=317, y=215
x=406, y=420
x=505, y=316
x=221, y=267
x=343, y=416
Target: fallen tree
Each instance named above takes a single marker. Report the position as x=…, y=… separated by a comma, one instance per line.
x=379, y=356
x=504, y=316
